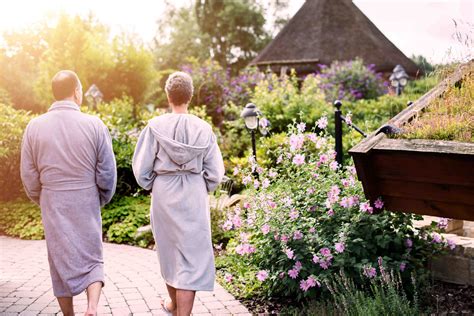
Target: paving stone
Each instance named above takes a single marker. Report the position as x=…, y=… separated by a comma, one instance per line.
x=132, y=277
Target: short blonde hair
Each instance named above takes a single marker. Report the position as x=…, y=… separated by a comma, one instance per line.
x=179, y=88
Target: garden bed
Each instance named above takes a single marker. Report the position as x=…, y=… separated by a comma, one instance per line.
x=422, y=176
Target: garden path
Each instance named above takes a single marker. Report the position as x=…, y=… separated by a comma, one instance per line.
x=133, y=283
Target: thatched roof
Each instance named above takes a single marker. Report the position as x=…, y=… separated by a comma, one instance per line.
x=323, y=31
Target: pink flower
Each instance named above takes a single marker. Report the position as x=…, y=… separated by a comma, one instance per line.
x=378, y=203
x=284, y=238
x=298, y=266
x=297, y=235
x=334, y=165
x=330, y=212
x=243, y=249
x=236, y=171
x=227, y=225
x=294, y=214
x=345, y=183
x=271, y=204
x=228, y=277
x=289, y=253
x=304, y=285
x=352, y=170
x=293, y=273
x=365, y=207
x=312, y=137
x=237, y=221
x=349, y=119
x=344, y=202
x=272, y=174
x=279, y=160
x=282, y=275
x=265, y=183
x=322, y=122
x=265, y=229
x=246, y=180
x=451, y=244
x=296, y=142
x=325, y=252
x=259, y=170
x=256, y=184
x=370, y=272
x=310, y=190
x=246, y=205
x=301, y=127
x=339, y=247
x=403, y=265
x=311, y=282
x=315, y=175
x=436, y=238
x=408, y=243
x=315, y=259
x=353, y=200
x=298, y=159
x=312, y=230
x=262, y=275
x=323, y=158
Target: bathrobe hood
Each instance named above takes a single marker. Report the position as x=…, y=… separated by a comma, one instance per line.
x=182, y=136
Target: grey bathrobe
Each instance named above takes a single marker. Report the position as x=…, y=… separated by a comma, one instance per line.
x=178, y=158
x=68, y=168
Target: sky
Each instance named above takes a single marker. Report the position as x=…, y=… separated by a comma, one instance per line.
x=421, y=27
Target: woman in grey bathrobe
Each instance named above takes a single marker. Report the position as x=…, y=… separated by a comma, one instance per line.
x=177, y=157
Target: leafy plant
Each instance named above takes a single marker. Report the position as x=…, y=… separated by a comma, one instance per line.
x=306, y=218
x=21, y=219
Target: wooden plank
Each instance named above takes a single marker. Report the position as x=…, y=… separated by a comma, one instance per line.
x=367, y=144
x=425, y=207
x=428, y=191
x=366, y=176
x=426, y=146
x=421, y=167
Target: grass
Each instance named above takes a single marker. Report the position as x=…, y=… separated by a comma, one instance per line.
x=450, y=117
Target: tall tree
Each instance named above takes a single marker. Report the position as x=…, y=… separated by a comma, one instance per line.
x=235, y=28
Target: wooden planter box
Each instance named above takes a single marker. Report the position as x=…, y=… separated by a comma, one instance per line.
x=419, y=176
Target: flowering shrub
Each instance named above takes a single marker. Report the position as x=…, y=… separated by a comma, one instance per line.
x=306, y=218
x=351, y=80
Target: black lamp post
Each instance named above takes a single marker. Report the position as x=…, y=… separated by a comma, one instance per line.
x=93, y=96
x=398, y=79
x=251, y=114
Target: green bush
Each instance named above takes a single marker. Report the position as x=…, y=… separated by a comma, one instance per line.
x=307, y=218
x=12, y=125
x=122, y=218
x=21, y=219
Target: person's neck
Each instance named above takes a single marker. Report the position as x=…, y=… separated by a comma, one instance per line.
x=72, y=99
x=179, y=109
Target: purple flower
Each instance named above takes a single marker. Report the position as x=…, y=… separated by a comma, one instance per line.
x=262, y=275
x=301, y=127
x=265, y=229
x=408, y=243
x=298, y=265
x=451, y=244
x=323, y=158
x=265, y=183
x=289, y=253
x=378, y=203
x=436, y=238
x=228, y=277
x=365, y=207
x=443, y=223
x=294, y=214
x=403, y=266
x=370, y=272
x=334, y=165
x=297, y=235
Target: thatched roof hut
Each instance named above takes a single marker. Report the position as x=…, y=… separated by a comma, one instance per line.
x=323, y=31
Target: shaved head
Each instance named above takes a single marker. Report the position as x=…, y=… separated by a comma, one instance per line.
x=64, y=84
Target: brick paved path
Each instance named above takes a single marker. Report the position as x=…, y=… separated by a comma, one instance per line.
x=133, y=283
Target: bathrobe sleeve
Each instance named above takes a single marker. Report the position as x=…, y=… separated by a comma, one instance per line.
x=144, y=159
x=213, y=166
x=28, y=171
x=106, y=170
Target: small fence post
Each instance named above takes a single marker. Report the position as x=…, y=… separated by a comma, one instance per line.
x=338, y=131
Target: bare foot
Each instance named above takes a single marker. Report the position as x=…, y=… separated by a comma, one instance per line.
x=168, y=305
x=90, y=312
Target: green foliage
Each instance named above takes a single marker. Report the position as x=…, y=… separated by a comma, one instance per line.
x=423, y=64
x=21, y=219
x=122, y=218
x=12, y=125
x=282, y=102
x=235, y=28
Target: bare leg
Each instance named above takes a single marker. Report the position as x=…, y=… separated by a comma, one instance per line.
x=93, y=295
x=185, y=301
x=171, y=306
x=67, y=307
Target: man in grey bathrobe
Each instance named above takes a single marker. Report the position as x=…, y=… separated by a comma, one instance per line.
x=68, y=168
